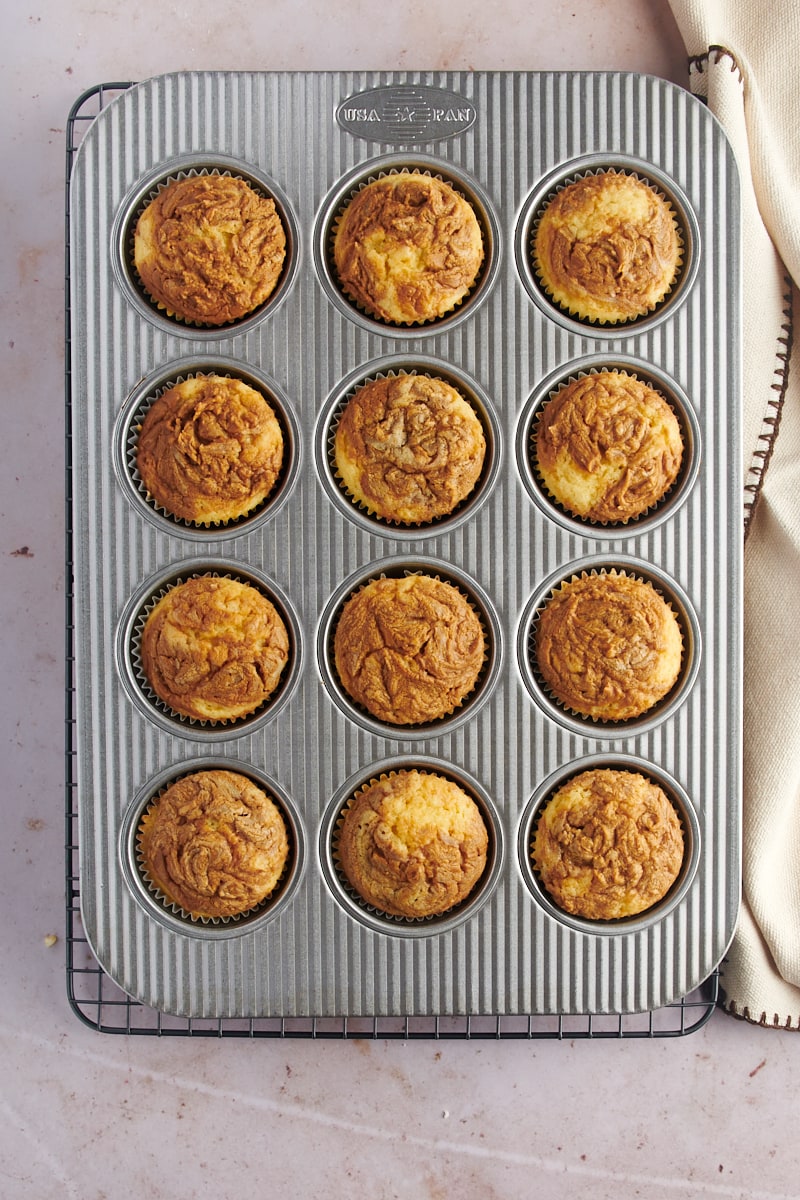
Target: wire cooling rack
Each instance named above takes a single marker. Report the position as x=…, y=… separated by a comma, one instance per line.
x=101, y=1004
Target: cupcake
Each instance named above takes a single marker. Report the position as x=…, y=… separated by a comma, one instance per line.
x=413, y=844
x=408, y=649
x=607, y=247
x=213, y=844
x=608, y=646
x=210, y=449
x=214, y=649
x=408, y=248
x=409, y=448
x=209, y=249
x=608, y=844
x=608, y=447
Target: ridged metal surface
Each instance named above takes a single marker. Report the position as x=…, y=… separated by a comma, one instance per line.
x=315, y=958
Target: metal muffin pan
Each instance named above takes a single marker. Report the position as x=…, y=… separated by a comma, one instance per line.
x=510, y=138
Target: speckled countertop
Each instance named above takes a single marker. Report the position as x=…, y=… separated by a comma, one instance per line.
x=90, y=1116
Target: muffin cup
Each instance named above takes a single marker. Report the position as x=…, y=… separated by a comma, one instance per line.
x=184, y=167
x=137, y=685
x=680, y=801
x=380, y=169
x=375, y=918
x=649, y=518
x=126, y=436
x=663, y=186
x=359, y=512
x=469, y=704
x=579, y=722
x=173, y=915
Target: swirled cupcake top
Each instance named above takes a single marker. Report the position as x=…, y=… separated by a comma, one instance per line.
x=608, y=646
x=607, y=248
x=209, y=248
x=214, y=844
x=413, y=844
x=609, y=844
x=210, y=449
x=409, y=649
x=214, y=648
x=409, y=448
x=608, y=446
x=408, y=247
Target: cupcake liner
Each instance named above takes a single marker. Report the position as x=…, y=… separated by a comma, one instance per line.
x=130, y=449
x=621, y=322
x=159, y=897
x=143, y=682
x=584, y=718
x=361, y=505
x=593, y=522
x=355, y=896
x=157, y=305
x=335, y=221
x=466, y=700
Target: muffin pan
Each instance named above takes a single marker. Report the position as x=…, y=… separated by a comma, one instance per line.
x=314, y=949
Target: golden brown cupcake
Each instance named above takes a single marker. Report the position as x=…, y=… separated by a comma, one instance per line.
x=214, y=649
x=210, y=449
x=214, y=844
x=209, y=248
x=409, y=448
x=413, y=844
x=408, y=248
x=607, y=247
x=408, y=650
x=608, y=646
x=608, y=446
x=608, y=844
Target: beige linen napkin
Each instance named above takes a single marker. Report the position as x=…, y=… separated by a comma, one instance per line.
x=743, y=62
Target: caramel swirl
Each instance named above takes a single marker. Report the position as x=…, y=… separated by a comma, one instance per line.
x=209, y=248
x=608, y=646
x=409, y=650
x=408, y=248
x=214, y=843
x=609, y=844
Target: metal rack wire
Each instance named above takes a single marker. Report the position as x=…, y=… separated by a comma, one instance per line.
x=101, y=1004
